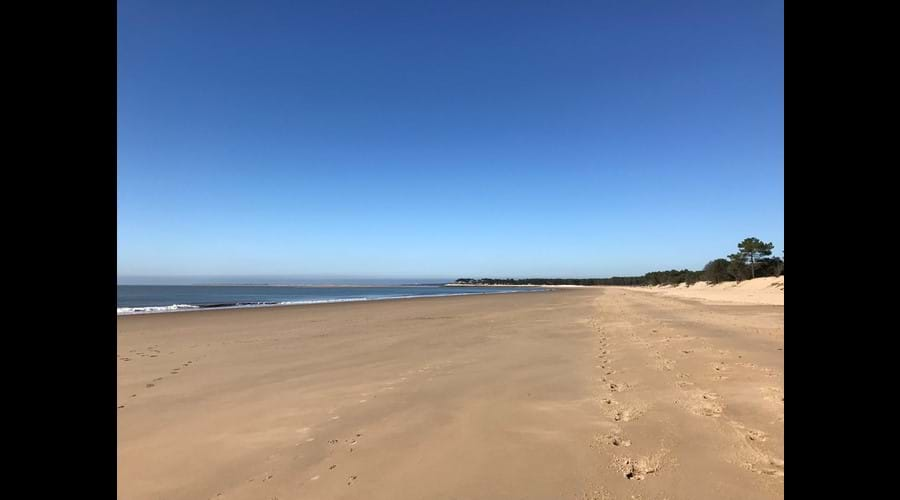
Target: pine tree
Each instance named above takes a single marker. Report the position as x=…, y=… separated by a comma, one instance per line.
x=754, y=248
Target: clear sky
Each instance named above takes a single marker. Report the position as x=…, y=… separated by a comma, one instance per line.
x=446, y=138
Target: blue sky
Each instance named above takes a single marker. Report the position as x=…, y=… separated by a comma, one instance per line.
x=446, y=139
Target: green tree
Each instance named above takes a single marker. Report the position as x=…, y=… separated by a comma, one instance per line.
x=769, y=266
x=754, y=249
x=737, y=266
x=716, y=271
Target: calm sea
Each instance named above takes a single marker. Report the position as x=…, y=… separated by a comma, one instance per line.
x=136, y=299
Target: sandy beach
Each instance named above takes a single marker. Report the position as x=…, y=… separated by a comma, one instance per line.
x=768, y=290
x=580, y=393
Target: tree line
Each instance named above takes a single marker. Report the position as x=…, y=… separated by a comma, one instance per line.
x=752, y=260
x=616, y=281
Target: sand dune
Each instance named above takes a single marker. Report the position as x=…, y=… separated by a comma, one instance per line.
x=574, y=394
x=756, y=291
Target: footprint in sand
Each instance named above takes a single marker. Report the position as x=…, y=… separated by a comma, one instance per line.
x=753, y=435
x=626, y=415
x=705, y=404
x=769, y=467
x=613, y=440
x=618, y=387
x=638, y=469
x=622, y=412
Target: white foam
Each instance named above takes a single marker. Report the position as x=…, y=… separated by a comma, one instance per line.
x=149, y=309
x=320, y=301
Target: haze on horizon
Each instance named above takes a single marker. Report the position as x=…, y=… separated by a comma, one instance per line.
x=409, y=140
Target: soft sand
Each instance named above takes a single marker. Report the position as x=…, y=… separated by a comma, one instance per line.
x=577, y=394
x=756, y=291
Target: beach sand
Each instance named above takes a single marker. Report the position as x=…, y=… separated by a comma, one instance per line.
x=576, y=394
x=768, y=290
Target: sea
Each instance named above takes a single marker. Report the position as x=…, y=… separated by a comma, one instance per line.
x=143, y=299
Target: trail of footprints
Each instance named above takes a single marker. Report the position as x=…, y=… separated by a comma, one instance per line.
x=709, y=404
x=349, y=444
x=335, y=446
x=697, y=401
x=152, y=383
x=633, y=469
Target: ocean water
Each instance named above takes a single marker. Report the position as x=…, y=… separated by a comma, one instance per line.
x=138, y=299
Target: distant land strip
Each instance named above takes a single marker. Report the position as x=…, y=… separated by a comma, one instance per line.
x=615, y=281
